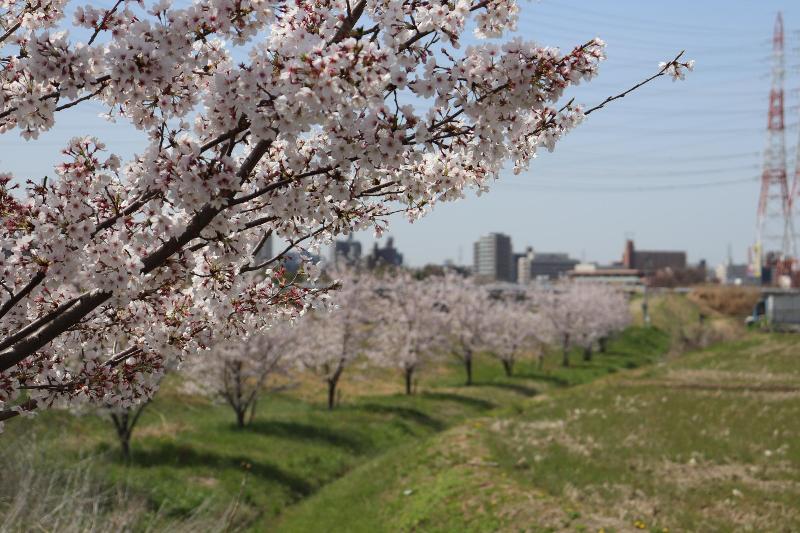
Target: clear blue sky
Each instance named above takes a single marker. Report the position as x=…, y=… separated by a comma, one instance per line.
x=657, y=165
x=650, y=166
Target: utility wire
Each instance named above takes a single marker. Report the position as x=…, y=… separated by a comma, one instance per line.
x=586, y=187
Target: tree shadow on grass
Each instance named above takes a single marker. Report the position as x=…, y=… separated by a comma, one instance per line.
x=558, y=381
x=306, y=432
x=519, y=388
x=475, y=403
x=408, y=413
x=184, y=456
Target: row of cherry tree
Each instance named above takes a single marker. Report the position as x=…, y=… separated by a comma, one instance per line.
x=303, y=120
x=405, y=323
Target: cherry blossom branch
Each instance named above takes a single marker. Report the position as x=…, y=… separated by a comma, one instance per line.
x=103, y=22
x=83, y=98
x=623, y=94
x=90, y=301
x=131, y=209
x=14, y=27
x=35, y=280
x=54, y=95
x=203, y=217
x=28, y=405
x=421, y=35
x=36, y=324
x=289, y=247
x=58, y=325
x=347, y=24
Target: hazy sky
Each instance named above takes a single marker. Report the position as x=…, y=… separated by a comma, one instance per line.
x=674, y=165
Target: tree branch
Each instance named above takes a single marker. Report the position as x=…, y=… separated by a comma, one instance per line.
x=35, y=280
x=623, y=94
x=202, y=218
x=348, y=22
x=31, y=343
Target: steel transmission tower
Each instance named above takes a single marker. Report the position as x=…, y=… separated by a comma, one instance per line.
x=794, y=192
x=774, y=223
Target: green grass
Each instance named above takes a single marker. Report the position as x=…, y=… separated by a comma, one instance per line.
x=706, y=442
x=187, y=451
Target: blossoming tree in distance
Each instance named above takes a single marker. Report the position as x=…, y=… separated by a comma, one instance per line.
x=604, y=313
x=513, y=329
x=328, y=341
x=411, y=326
x=581, y=314
x=301, y=120
x=237, y=371
x=466, y=305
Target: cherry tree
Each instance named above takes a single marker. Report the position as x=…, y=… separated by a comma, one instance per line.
x=562, y=308
x=125, y=420
x=299, y=120
x=581, y=314
x=615, y=313
x=238, y=371
x=512, y=328
x=124, y=415
x=328, y=341
x=601, y=311
x=465, y=304
x=410, y=328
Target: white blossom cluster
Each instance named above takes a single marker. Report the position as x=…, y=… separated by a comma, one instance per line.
x=309, y=136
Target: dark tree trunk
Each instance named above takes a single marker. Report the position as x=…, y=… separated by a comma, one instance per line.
x=252, y=410
x=541, y=361
x=565, y=350
x=468, y=368
x=587, y=353
x=508, y=366
x=603, y=344
x=332, y=383
x=331, y=394
x=240, y=414
x=125, y=445
x=122, y=423
x=409, y=375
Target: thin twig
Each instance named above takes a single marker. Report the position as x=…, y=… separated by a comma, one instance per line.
x=661, y=72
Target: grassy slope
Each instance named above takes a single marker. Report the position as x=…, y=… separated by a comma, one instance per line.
x=707, y=442
x=414, y=485
x=186, y=451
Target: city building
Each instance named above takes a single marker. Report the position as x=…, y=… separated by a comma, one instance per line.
x=523, y=262
x=731, y=274
x=493, y=258
x=532, y=266
x=346, y=253
x=651, y=261
x=386, y=256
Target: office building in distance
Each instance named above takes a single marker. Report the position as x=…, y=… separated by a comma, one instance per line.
x=532, y=266
x=386, y=256
x=651, y=261
x=346, y=253
x=493, y=258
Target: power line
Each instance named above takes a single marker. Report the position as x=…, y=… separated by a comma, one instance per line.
x=585, y=187
x=649, y=174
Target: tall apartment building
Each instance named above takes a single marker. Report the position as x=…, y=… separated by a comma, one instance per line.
x=493, y=259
